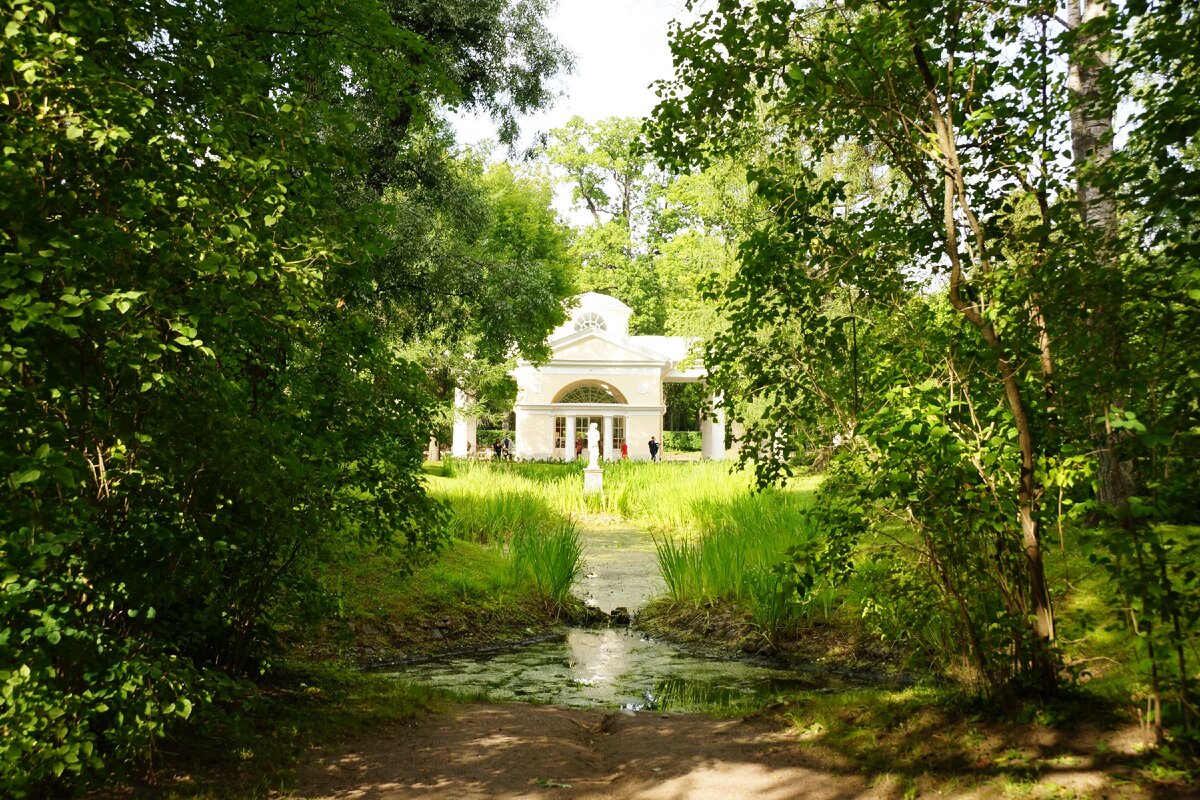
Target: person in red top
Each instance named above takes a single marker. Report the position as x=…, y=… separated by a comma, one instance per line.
x=624, y=450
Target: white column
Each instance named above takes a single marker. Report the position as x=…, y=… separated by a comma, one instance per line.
x=570, y=454
x=739, y=434
x=608, y=439
x=712, y=431
x=523, y=448
x=464, y=426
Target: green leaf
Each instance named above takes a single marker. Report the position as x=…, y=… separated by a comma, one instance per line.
x=28, y=476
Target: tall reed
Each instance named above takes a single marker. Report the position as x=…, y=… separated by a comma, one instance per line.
x=549, y=558
x=493, y=506
x=497, y=518
x=715, y=537
x=740, y=553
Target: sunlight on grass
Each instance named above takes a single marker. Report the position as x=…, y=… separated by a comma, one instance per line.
x=679, y=498
x=716, y=537
x=518, y=511
x=550, y=559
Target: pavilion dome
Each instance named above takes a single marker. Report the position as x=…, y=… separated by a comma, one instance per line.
x=600, y=311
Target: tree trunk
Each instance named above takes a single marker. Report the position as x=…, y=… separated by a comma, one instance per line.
x=1029, y=489
x=1091, y=146
x=1091, y=117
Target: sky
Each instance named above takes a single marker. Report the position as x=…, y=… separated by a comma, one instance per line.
x=620, y=48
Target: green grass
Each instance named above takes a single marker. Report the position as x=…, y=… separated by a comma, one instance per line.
x=673, y=497
x=550, y=560
x=498, y=517
x=375, y=587
x=733, y=549
x=512, y=508
x=716, y=539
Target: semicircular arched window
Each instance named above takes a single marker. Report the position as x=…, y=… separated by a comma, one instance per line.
x=588, y=320
x=589, y=394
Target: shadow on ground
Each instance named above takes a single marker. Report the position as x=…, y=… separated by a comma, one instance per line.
x=517, y=751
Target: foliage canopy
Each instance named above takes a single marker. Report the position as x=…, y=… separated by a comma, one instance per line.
x=207, y=279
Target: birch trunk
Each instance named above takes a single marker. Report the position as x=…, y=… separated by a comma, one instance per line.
x=1091, y=146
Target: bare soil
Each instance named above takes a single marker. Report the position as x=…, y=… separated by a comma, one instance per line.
x=502, y=751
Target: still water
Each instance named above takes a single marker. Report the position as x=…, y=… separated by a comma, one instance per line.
x=610, y=668
x=615, y=667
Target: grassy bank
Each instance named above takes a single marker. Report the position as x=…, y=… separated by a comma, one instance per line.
x=719, y=543
x=503, y=576
x=472, y=595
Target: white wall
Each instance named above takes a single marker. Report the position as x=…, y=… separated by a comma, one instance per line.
x=535, y=435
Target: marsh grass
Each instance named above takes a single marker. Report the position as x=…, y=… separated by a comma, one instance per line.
x=664, y=496
x=738, y=552
x=550, y=559
x=375, y=588
x=520, y=514
x=716, y=538
x=498, y=518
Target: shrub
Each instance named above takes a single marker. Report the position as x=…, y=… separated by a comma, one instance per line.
x=683, y=441
x=79, y=696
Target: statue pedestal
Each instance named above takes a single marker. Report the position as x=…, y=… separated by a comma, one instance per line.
x=593, y=480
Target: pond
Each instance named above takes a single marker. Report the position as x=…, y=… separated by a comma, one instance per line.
x=617, y=667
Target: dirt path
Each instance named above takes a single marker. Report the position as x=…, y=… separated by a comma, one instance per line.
x=520, y=751
x=505, y=751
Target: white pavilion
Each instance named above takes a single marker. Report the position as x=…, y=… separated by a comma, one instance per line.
x=599, y=373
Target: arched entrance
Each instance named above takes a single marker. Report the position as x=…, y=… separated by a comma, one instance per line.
x=577, y=406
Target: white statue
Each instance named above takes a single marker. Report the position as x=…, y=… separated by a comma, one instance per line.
x=593, y=446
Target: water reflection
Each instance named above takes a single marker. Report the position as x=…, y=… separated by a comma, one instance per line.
x=614, y=668
x=610, y=668
x=620, y=569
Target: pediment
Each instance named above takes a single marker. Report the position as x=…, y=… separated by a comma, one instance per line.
x=596, y=347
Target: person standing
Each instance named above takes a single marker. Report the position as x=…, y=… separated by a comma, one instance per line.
x=624, y=450
x=653, y=449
